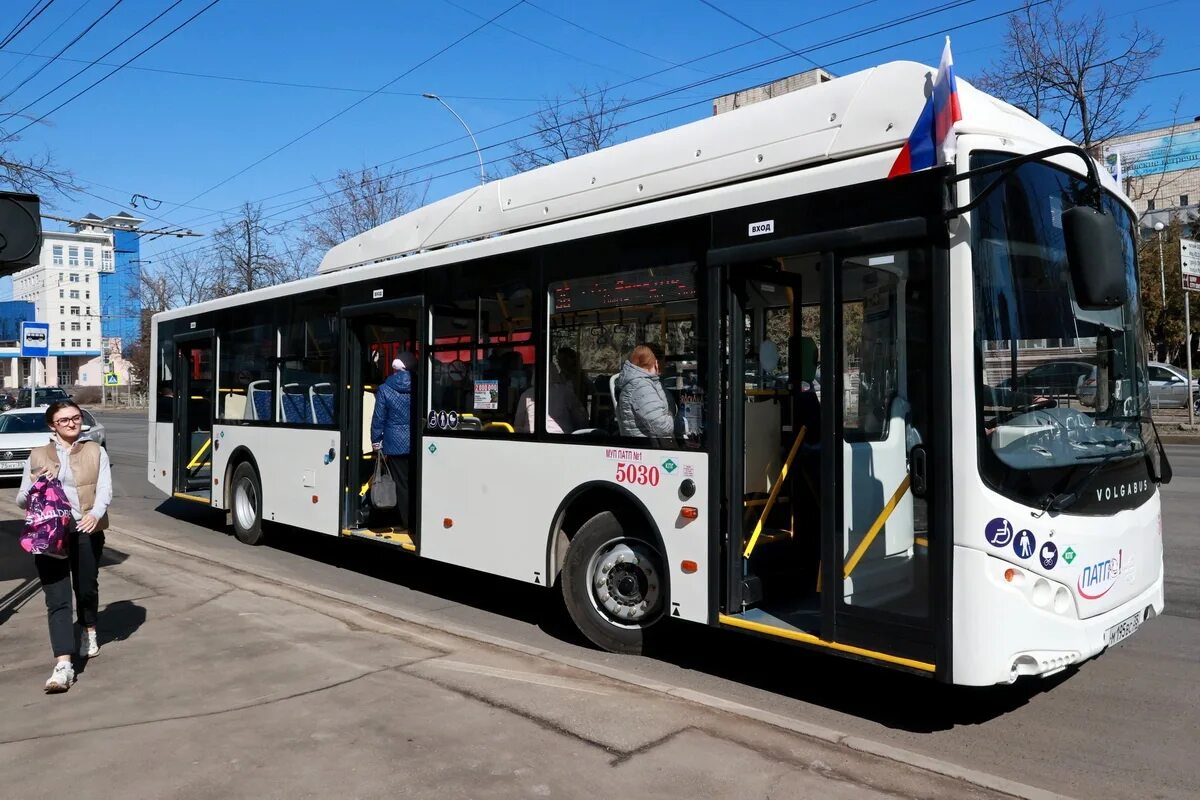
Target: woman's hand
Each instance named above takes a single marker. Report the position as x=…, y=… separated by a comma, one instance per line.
x=88, y=523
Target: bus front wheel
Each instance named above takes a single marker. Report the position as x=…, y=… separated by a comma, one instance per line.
x=247, y=504
x=613, y=585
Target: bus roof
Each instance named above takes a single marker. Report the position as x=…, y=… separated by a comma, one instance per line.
x=864, y=112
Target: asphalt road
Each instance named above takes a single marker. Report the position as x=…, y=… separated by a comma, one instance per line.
x=1124, y=725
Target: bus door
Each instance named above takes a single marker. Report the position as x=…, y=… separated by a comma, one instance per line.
x=194, y=390
x=877, y=362
x=828, y=442
x=375, y=335
x=773, y=500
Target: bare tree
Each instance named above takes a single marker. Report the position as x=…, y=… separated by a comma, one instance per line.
x=565, y=129
x=358, y=201
x=33, y=173
x=249, y=254
x=1071, y=72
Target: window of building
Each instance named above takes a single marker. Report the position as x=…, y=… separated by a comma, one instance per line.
x=56, y=252
x=62, y=326
x=65, y=376
x=74, y=326
x=73, y=257
x=89, y=326
x=89, y=342
x=75, y=343
x=246, y=373
x=62, y=342
x=74, y=294
x=60, y=277
x=61, y=294
x=62, y=310
x=482, y=357
x=87, y=295
x=74, y=276
x=308, y=363
x=596, y=322
x=106, y=259
x=89, y=311
x=89, y=257
x=87, y=278
x=75, y=311
x=1149, y=205
x=1183, y=200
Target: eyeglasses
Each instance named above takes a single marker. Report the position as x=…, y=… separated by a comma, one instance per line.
x=75, y=420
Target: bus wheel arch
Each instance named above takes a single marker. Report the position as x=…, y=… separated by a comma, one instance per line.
x=243, y=496
x=609, y=560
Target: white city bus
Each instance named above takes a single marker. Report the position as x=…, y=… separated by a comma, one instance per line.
x=877, y=449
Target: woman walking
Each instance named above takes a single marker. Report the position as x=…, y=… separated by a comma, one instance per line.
x=81, y=465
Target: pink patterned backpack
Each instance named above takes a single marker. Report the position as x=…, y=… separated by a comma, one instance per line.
x=47, y=514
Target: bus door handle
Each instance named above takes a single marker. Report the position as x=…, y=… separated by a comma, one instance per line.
x=917, y=461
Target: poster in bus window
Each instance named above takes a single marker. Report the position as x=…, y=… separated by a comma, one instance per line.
x=487, y=395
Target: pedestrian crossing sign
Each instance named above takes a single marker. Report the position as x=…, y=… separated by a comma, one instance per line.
x=111, y=379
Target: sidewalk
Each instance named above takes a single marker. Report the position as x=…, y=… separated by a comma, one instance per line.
x=216, y=683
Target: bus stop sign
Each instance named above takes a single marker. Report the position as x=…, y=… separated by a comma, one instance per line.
x=1189, y=263
x=35, y=339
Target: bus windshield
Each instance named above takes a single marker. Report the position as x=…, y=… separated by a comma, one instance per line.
x=1062, y=390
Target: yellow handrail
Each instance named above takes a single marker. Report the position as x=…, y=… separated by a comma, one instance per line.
x=876, y=527
x=774, y=492
x=195, y=462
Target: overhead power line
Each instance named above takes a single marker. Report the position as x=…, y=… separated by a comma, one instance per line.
x=753, y=29
x=64, y=49
x=44, y=39
x=24, y=22
x=85, y=69
x=353, y=105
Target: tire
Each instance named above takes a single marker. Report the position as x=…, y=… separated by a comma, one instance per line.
x=246, y=504
x=614, y=585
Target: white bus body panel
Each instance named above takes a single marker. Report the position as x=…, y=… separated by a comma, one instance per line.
x=295, y=465
x=162, y=464
x=1046, y=619
x=501, y=498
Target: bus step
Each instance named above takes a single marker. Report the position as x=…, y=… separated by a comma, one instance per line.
x=397, y=536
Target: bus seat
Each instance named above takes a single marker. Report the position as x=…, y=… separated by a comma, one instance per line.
x=320, y=399
x=259, y=405
x=294, y=404
x=235, y=406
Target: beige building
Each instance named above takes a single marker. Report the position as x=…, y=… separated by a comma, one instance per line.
x=756, y=94
x=1160, y=170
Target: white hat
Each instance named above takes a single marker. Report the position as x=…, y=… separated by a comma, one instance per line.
x=398, y=365
x=403, y=361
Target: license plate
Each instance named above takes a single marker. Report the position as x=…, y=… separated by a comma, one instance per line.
x=1122, y=630
x=7, y=465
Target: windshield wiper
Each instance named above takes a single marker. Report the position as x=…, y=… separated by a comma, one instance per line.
x=1061, y=501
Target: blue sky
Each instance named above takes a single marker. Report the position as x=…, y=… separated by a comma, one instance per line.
x=175, y=137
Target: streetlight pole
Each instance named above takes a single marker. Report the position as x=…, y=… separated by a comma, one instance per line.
x=478, y=154
x=1162, y=278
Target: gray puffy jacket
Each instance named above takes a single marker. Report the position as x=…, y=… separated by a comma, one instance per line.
x=643, y=408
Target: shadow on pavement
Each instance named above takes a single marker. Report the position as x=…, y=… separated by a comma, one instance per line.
x=894, y=699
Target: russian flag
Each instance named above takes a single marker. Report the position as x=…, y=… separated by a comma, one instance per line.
x=930, y=142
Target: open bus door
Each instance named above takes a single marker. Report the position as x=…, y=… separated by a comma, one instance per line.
x=194, y=391
x=829, y=449
x=373, y=336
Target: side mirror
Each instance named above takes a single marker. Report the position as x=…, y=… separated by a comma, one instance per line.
x=1095, y=255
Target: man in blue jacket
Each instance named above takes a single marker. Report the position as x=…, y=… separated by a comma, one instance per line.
x=391, y=427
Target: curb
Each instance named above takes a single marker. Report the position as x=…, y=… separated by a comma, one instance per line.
x=909, y=758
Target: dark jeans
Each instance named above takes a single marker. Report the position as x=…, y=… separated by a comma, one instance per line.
x=398, y=466
x=78, y=572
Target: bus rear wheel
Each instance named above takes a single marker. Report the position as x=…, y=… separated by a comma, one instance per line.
x=614, y=586
x=246, y=504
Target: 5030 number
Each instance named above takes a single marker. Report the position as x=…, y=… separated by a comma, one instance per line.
x=640, y=474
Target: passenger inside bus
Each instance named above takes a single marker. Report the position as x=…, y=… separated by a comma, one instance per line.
x=643, y=408
x=564, y=413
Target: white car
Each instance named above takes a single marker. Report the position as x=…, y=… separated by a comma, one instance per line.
x=22, y=429
x=1168, y=387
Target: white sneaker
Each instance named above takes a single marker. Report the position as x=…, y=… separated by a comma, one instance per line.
x=61, y=679
x=89, y=647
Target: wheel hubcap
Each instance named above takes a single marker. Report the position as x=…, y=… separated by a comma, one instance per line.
x=624, y=579
x=245, y=504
